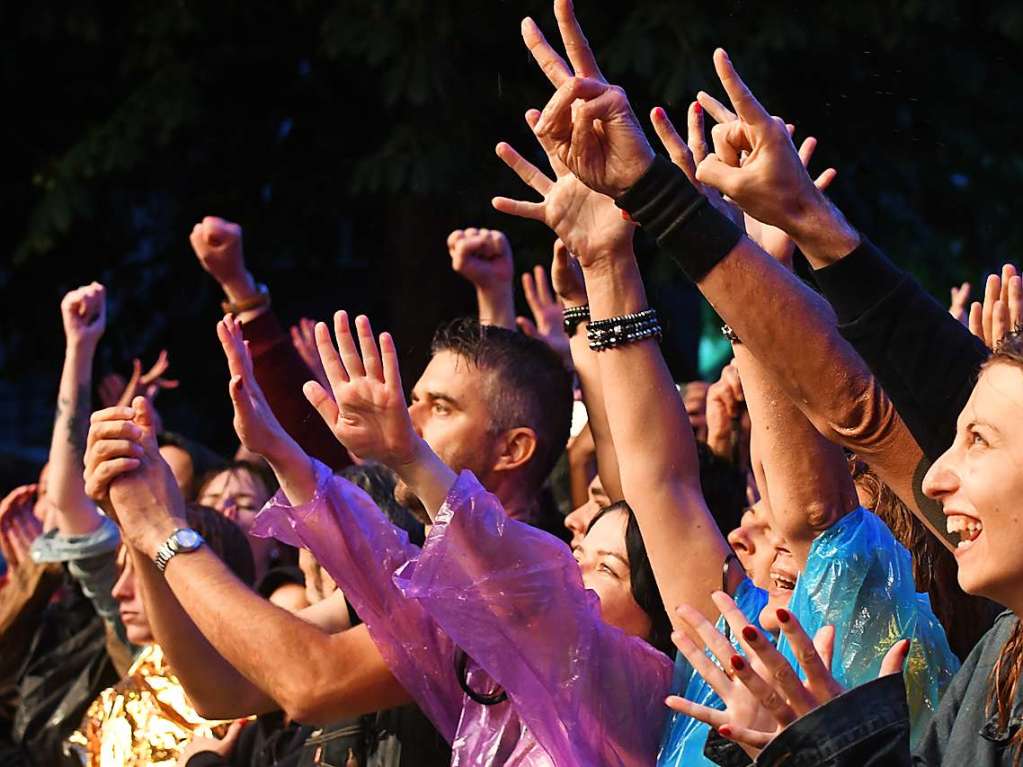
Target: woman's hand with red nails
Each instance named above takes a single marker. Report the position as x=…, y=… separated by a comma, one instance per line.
x=1002, y=309
x=763, y=694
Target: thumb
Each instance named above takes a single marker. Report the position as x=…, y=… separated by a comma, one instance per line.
x=895, y=658
x=527, y=326
x=230, y=739
x=718, y=174
x=145, y=418
x=320, y=399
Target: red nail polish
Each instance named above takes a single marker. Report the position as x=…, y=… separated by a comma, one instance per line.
x=725, y=731
x=626, y=216
x=783, y=615
x=750, y=634
x=738, y=663
x=661, y=113
x=697, y=108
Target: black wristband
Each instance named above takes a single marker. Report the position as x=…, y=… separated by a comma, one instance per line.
x=684, y=224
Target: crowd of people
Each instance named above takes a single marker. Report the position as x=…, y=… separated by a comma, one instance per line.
x=552, y=553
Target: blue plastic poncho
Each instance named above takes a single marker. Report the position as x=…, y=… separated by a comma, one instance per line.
x=859, y=579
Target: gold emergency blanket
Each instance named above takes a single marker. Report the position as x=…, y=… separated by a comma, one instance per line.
x=145, y=719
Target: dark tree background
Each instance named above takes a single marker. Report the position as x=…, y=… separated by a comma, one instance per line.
x=350, y=137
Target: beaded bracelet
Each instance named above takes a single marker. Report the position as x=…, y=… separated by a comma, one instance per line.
x=574, y=316
x=627, y=329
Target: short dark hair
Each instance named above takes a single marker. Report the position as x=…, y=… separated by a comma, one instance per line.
x=526, y=385
x=641, y=579
x=260, y=471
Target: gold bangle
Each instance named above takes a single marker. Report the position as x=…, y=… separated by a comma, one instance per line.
x=258, y=301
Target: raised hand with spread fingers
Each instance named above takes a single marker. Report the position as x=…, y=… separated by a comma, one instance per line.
x=1002, y=309
x=762, y=692
x=547, y=324
x=303, y=338
x=365, y=408
x=19, y=526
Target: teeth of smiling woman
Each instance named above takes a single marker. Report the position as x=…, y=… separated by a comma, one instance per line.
x=967, y=527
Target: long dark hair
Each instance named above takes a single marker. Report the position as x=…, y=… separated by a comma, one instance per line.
x=644, y=591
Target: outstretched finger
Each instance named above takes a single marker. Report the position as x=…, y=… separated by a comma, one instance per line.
x=753, y=738
x=823, y=181
x=976, y=320
x=529, y=289
x=1008, y=272
x=527, y=327
x=697, y=136
x=806, y=150
x=368, y=346
x=702, y=665
x=346, y=346
x=576, y=45
x=785, y=681
x=550, y=62
x=523, y=168
x=992, y=290
x=543, y=285
x=718, y=111
x=818, y=675
x=389, y=361
x=520, y=208
x=824, y=644
x=1015, y=303
x=999, y=322
x=329, y=358
x=679, y=153
x=743, y=101
x=712, y=716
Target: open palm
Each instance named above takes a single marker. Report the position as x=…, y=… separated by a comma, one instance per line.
x=365, y=407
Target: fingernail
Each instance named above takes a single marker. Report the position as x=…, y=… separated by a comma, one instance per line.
x=738, y=663
x=626, y=217
x=750, y=634
x=697, y=109
x=783, y=615
x=725, y=731
x=661, y=114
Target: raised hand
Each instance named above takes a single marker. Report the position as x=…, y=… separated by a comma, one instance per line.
x=303, y=338
x=772, y=239
x=762, y=693
x=547, y=324
x=365, y=404
x=959, y=303
x=567, y=276
x=218, y=245
x=19, y=526
x=724, y=407
x=588, y=223
x=125, y=472
x=1002, y=310
x=114, y=391
x=84, y=312
x=254, y=422
x=482, y=256
x=588, y=124
x=755, y=162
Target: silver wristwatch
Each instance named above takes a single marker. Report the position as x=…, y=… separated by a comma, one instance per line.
x=181, y=541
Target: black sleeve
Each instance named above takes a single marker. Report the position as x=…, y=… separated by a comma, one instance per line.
x=924, y=358
x=865, y=727
x=207, y=759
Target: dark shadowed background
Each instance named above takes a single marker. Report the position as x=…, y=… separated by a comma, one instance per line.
x=349, y=138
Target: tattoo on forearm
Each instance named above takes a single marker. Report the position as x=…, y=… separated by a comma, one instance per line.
x=77, y=412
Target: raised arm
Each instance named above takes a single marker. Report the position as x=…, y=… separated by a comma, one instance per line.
x=278, y=367
x=484, y=258
x=651, y=433
x=84, y=314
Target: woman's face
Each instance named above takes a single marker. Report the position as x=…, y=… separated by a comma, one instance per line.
x=604, y=562
x=129, y=601
x=237, y=494
x=578, y=520
x=979, y=483
x=769, y=564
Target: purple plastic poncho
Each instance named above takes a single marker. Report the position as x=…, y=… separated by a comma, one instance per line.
x=580, y=692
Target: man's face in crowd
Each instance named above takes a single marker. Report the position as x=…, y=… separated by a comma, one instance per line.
x=129, y=602
x=449, y=410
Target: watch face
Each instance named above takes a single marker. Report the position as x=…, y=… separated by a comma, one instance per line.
x=187, y=540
